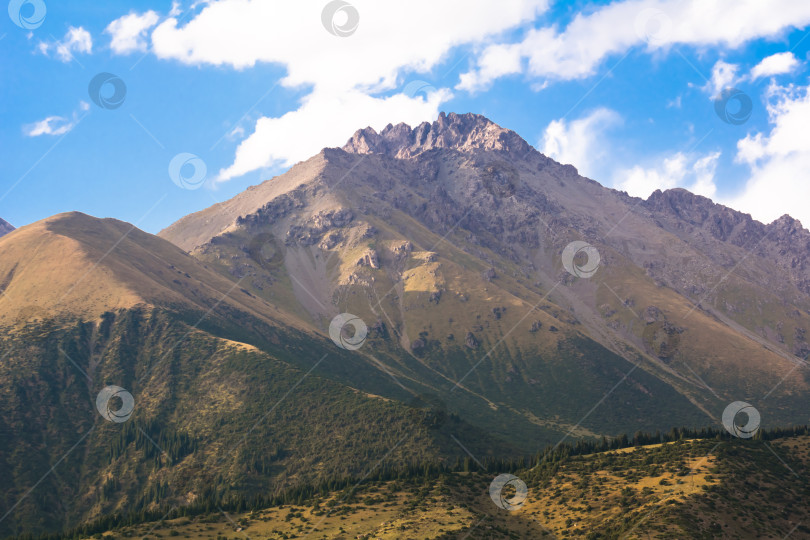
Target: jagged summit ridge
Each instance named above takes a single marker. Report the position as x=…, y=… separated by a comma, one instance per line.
x=697, y=209
x=463, y=132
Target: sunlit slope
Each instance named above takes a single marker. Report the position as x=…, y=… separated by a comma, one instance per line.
x=685, y=489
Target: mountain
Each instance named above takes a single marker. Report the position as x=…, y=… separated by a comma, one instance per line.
x=451, y=235
x=362, y=233
x=5, y=227
x=480, y=334
x=232, y=398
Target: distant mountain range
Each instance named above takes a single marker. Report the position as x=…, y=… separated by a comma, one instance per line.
x=510, y=304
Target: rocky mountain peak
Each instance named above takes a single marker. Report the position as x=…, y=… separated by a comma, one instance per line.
x=677, y=200
x=699, y=211
x=5, y=227
x=463, y=132
x=786, y=223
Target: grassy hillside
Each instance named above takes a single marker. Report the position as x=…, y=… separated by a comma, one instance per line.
x=689, y=488
x=213, y=419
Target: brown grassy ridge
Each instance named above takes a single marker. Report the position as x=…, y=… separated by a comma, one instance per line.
x=687, y=488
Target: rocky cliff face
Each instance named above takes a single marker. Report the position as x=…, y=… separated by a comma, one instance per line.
x=785, y=242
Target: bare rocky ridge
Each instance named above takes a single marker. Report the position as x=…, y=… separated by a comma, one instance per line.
x=784, y=241
x=461, y=132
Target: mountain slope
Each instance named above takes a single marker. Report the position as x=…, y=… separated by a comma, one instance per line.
x=451, y=234
x=441, y=311
x=215, y=418
x=79, y=265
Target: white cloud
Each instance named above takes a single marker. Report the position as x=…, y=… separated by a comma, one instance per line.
x=128, y=32
x=346, y=75
x=580, y=142
x=176, y=10
x=677, y=170
x=55, y=125
x=76, y=40
x=775, y=64
x=494, y=62
x=724, y=75
x=585, y=144
x=778, y=160
x=391, y=36
x=236, y=133
x=577, y=51
x=293, y=137
x=703, y=172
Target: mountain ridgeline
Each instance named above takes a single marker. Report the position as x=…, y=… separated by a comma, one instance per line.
x=501, y=302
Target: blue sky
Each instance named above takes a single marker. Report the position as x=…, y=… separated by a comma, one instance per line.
x=242, y=89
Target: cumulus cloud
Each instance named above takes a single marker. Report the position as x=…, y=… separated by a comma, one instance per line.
x=128, y=32
x=589, y=39
x=176, y=9
x=724, y=75
x=76, y=40
x=677, y=170
x=348, y=77
x=778, y=160
x=580, y=142
x=390, y=37
x=54, y=125
x=703, y=174
x=586, y=144
x=776, y=64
